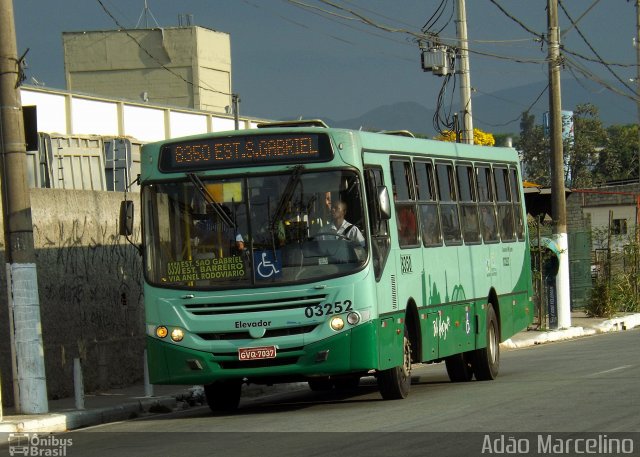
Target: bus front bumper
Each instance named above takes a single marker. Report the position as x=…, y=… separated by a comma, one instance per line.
x=353, y=350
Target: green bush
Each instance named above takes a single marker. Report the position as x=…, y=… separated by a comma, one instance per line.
x=617, y=287
x=600, y=303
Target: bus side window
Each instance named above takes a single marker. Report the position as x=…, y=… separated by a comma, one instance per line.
x=517, y=206
x=505, y=207
x=427, y=200
x=404, y=199
x=448, y=203
x=468, y=204
x=488, y=223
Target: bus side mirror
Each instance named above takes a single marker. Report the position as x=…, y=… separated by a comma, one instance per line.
x=384, y=204
x=126, y=218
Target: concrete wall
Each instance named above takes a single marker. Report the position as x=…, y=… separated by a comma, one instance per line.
x=91, y=300
x=66, y=113
x=179, y=66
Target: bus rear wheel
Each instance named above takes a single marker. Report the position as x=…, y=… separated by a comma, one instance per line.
x=486, y=361
x=223, y=396
x=394, y=383
x=459, y=368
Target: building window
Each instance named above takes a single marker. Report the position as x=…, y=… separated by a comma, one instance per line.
x=619, y=227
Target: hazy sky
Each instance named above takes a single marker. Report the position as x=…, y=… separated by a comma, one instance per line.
x=289, y=60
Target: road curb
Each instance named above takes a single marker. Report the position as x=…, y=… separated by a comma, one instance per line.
x=616, y=324
x=71, y=420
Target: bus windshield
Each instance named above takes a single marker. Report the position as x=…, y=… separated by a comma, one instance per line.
x=253, y=231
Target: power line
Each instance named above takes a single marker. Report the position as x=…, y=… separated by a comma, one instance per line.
x=504, y=124
x=332, y=16
x=589, y=75
x=565, y=51
x=575, y=25
x=379, y=14
x=517, y=21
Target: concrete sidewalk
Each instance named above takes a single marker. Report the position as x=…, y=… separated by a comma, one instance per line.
x=123, y=404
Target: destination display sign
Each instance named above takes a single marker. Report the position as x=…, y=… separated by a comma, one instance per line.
x=244, y=151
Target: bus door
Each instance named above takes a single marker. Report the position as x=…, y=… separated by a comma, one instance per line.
x=383, y=263
x=390, y=337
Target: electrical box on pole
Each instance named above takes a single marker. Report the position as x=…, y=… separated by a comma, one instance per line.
x=439, y=60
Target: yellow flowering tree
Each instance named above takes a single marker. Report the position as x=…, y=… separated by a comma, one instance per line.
x=479, y=137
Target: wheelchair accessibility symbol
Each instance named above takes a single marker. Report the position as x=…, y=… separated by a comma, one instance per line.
x=267, y=264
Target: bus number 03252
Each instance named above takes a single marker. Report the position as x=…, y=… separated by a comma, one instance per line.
x=328, y=308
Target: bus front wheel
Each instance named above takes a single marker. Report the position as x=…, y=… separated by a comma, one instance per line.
x=394, y=383
x=223, y=396
x=486, y=361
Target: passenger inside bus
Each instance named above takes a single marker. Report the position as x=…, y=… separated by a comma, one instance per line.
x=210, y=232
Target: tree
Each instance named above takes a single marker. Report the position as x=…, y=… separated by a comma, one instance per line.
x=618, y=160
x=480, y=138
x=581, y=155
x=501, y=138
x=534, y=151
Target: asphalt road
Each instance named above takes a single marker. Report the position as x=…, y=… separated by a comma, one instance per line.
x=586, y=388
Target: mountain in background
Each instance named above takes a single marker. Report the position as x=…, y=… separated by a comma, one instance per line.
x=500, y=112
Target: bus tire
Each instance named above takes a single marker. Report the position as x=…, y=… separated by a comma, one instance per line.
x=320, y=384
x=459, y=368
x=223, y=396
x=486, y=361
x=394, y=383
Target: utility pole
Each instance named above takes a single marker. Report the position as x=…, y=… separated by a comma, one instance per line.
x=558, y=202
x=465, y=76
x=638, y=79
x=29, y=381
x=235, y=102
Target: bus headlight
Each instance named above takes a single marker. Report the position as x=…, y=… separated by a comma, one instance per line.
x=353, y=318
x=177, y=334
x=161, y=331
x=337, y=323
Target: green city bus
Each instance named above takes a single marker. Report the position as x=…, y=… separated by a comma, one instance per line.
x=249, y=279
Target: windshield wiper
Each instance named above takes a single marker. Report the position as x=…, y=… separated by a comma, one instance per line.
x=211, y=202
x=287, y=194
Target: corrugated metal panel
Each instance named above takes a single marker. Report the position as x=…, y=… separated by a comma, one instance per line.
x=122, y=164
x=73, y=162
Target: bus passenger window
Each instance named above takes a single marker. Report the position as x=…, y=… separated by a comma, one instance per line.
x=431, y=233
x=488, y=223
x=515, y=198
x=448, y=204
x=404, y=199
x=505, y=207
x=407, y=224
x=468, y=204
x=430, y=225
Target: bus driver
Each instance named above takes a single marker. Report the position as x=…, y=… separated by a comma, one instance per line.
x=341, y=226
